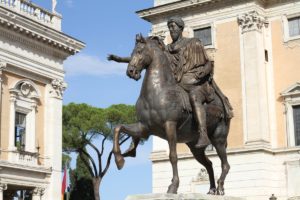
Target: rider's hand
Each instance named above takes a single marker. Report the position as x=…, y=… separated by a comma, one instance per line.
x=111, y=57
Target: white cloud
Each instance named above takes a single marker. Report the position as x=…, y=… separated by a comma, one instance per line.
x=82, y=64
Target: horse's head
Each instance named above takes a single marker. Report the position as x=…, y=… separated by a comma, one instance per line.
x=142, y=55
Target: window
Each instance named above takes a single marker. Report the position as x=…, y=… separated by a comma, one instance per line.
x=291, y=27
x=296, y=113
x=20, y=130
x=204, y=34
x=292, y=107
x=24, y=98
x=294, y=26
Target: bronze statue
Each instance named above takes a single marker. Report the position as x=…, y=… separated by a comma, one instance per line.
x=179, y=101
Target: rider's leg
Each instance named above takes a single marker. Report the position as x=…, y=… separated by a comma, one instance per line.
x=197, y=99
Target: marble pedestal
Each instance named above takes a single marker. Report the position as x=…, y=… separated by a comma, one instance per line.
x=193, y=196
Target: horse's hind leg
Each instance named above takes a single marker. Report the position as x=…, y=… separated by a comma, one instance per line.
x=137, y=130
x=221, y=144
x=199, y=154
x=131, y=151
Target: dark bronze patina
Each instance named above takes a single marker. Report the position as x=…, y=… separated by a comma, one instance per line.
x=179, y=101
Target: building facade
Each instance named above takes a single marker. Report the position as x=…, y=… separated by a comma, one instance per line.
x=255, y=45
x=32, y=51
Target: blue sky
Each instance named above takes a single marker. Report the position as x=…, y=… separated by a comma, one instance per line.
x=106, y=26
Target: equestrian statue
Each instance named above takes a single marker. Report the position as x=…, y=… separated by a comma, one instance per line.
x=179, y=102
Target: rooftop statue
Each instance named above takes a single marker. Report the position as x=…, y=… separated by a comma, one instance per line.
x=179, y=101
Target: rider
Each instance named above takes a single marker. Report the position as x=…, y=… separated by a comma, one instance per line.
x=193, y=71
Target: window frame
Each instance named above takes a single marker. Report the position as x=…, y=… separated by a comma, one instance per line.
x=202, y=29
x=291, y=98
x=297, y=137
x=24, y=97
x=296, y=19
x=286, y=30
x=213, y=33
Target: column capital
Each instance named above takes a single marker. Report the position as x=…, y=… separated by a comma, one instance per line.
x=252, y=21
x=38, y=191
x=13, y=95
x=3, y=186
x=58, y=88
x=2, y=65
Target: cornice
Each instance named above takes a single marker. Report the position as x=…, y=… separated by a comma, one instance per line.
x=33, y=44
x=179, y=7
x=41, y=33
x=8, y=165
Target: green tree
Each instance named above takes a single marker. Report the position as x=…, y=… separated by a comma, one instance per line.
x=81, y=182
x=83, y=124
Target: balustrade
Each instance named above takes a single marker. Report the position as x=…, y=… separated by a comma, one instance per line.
x=35, y=12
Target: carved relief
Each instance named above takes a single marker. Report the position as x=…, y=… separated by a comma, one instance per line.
x=2, y=65
x=252, y=21
x=58, y=86
x=25, y=88
x=3, y=187
x=201, y=176
x=38, y=191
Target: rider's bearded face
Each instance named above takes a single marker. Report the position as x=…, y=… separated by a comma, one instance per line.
x=175, y=31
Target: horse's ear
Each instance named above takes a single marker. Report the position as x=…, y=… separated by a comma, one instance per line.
x=140, y=38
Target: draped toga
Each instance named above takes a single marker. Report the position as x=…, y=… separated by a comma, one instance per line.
x=188, y=58
x=192, y=68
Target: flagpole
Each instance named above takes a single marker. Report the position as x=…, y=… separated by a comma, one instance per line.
x=64, y=183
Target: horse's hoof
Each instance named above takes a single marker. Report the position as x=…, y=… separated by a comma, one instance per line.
x=119, y=161
x=220, y=192
x=172, y=190
x=212, y=191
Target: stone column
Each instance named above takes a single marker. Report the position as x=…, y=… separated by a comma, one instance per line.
x=254, y=77
x=2, y=67
x=53, y=139
x=37, y=193
x=2, y=188
x=12, y=109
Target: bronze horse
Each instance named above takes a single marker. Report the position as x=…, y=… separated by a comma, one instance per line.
x=161, y=112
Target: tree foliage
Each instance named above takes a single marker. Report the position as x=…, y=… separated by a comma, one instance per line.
x=81, y=182
x=82, y=124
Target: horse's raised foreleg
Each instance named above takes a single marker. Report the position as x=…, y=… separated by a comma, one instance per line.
x=131, y=151
x=220, y=145
x=170, y=128
x=199, y=154
x=137, y=130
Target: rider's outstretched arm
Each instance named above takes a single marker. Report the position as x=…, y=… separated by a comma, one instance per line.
x=118, y=58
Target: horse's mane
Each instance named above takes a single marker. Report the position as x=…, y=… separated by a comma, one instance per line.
x=159, y=41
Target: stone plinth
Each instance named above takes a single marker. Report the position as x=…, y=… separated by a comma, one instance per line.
x=192, y=196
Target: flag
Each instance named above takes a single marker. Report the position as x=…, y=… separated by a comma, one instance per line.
x=64, y=184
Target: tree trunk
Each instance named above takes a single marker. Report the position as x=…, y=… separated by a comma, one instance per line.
x=96, y=186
